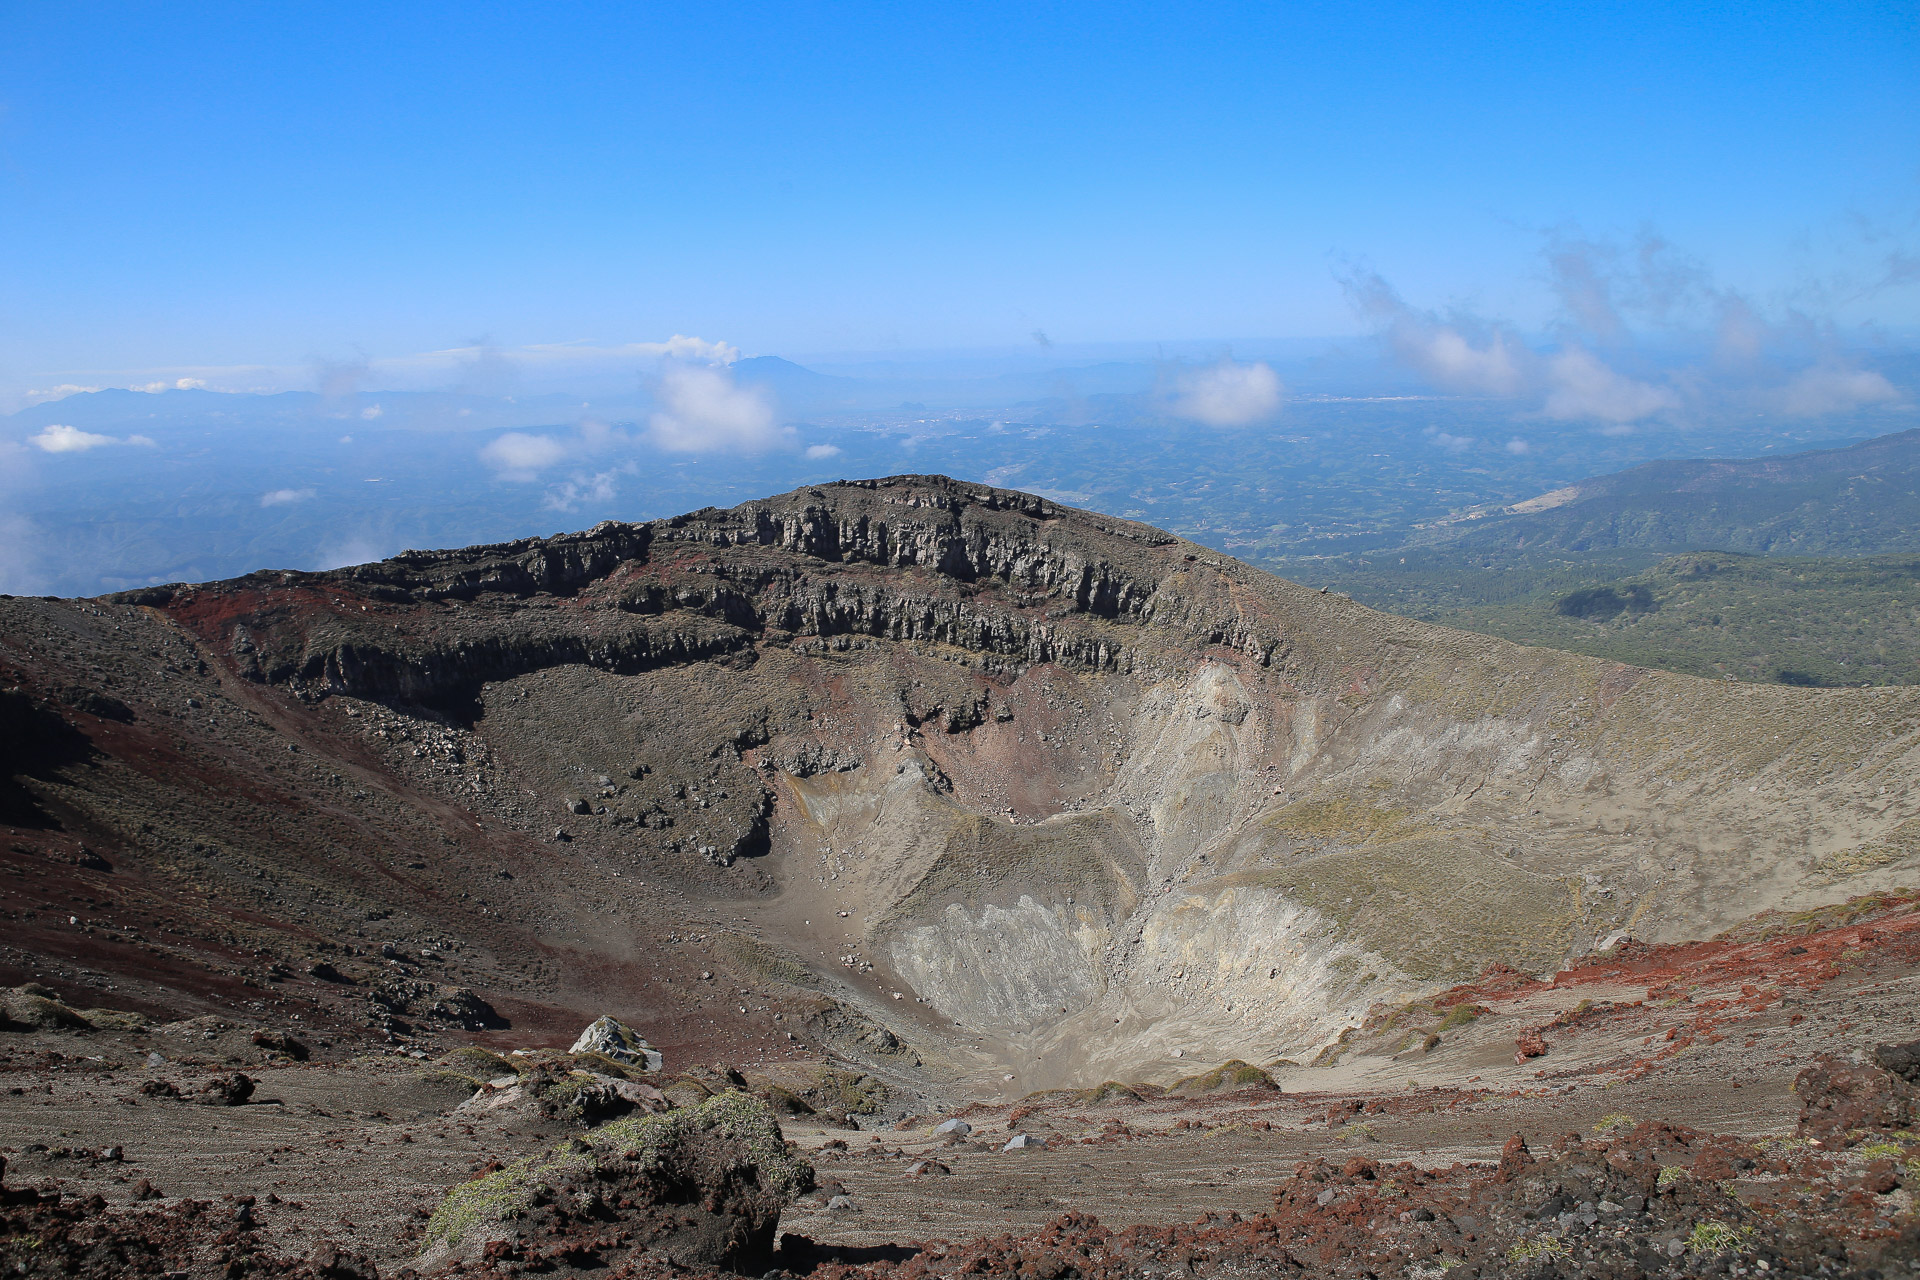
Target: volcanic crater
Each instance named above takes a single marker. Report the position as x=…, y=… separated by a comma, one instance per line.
x=986, y=793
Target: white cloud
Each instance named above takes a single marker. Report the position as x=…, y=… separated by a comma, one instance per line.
x=701, y=409
x=1452, y=443
x=145, y=442
x=285, y=497
x=1228, y=394
x=681, y=347
x=64, y=439
x=478, y=367
x=1462, y=354
x=519, y=456
x=1831, y=389
x=1518, y=446
x=352, y=550
x=540, y=362
x=371, y=412
x=37, y=395
x=1494, y=364
x=21, y=546
x=819, y=451
x=1581, y=387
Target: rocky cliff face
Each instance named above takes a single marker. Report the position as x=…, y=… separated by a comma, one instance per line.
x=963, y=781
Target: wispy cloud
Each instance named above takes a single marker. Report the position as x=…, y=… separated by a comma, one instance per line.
x=285, y=497
x=817, y=452
x=1589, y=368
x=22, y=543
x=1228, y=394
x=480, y=367
x=20, y=548
x=589, y=490
x=1459, y=353
x=350, y=550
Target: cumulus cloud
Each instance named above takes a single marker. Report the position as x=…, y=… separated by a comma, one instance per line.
x=1833, y=389
x=1580, y=387
x=1228, y=394
x=63, y=439
x=59, y=438
x=820, y=451
x=285, y=497
x=1450, y=442
x=702, y=409
x=1518, y=446
x=520, y=456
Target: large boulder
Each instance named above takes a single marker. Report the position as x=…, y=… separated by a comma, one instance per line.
x=611, y=1038
x=698, y=1188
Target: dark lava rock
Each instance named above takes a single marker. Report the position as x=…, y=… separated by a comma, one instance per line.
x=231, y=1090
x=1902, y=1060
x=1837, y=1097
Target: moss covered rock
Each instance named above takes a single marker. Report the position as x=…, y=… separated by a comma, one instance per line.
x=702, y=1187
x=39, y=1008
x=1229, y=1077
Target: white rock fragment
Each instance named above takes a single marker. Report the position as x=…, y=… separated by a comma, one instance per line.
x=611, y=1038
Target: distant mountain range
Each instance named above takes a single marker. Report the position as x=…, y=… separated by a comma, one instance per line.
x=1860, y=500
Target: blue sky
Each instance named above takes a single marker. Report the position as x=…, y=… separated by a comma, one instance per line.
x=204, y=185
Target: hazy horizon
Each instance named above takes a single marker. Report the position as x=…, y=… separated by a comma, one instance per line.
x=566, y=266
